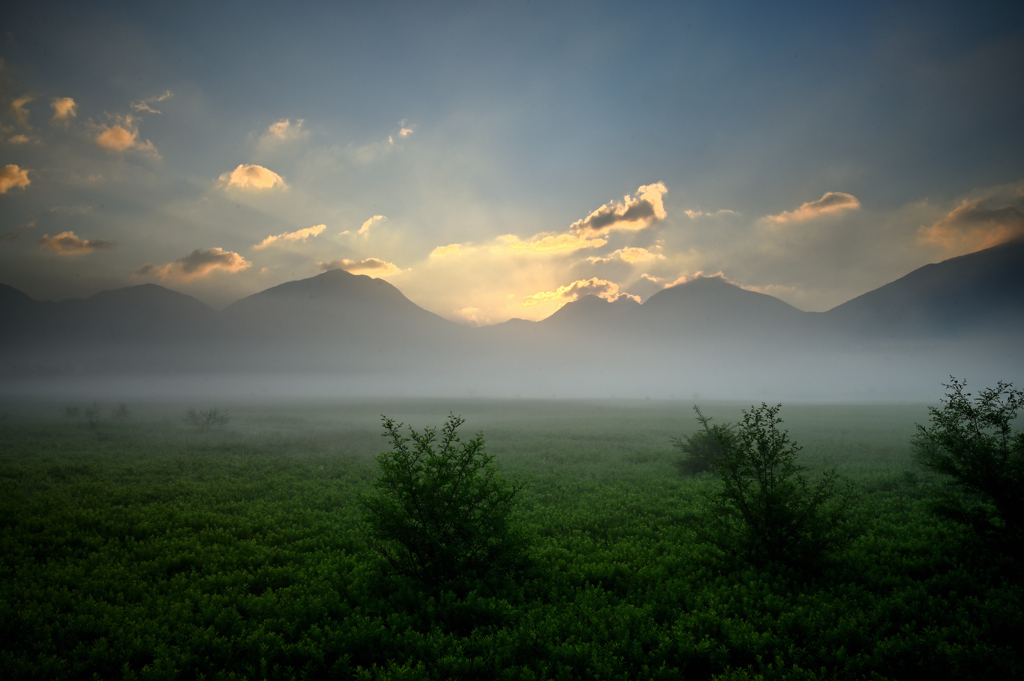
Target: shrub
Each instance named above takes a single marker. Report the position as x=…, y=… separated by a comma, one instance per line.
x=702, y=450
x=442, y=513
x=765, y=511
x=121, y=411
x=973, y=444
x=205, y=420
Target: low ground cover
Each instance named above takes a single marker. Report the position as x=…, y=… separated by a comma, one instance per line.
x=139, y=547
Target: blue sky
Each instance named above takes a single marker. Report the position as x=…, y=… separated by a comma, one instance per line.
x=497, y=160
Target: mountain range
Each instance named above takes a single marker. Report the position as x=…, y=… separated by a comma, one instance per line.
x=353, y=333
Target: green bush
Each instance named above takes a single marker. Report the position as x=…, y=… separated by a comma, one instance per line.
x=443, y=513
x=206, y=420
x=702, y=450
x=765, y=511
x=973, y=443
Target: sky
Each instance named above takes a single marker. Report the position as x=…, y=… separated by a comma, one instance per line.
x=498, y=160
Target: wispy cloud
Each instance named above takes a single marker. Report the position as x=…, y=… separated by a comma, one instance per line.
x=146, y=104
x=13, y=176
x=369, y=266
x=64, y=109
x=829, y=203
x=630, y=254
x=472, y=315
x=198, y=263
x=123, y=135
x=979, y=222
x=298, y=235
x=697, y=214
x=19, y=111
x=633, y=214
x=370, y=224
x=66, y=243
x=546, y=243
x=250, y=177
x=602, y=288
x=284, y=130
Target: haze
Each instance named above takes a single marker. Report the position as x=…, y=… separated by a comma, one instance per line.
x=498, y=162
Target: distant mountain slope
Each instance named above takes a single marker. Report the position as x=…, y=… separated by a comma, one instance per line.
x=712, y=304
x=981, y=292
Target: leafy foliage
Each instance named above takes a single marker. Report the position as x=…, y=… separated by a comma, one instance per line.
x=206, y=420
x=443, y=513
x=973, y=443
x=703, y=450
x=766, y=511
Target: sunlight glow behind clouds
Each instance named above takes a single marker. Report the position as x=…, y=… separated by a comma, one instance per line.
x=633, y=214
x=989, y=220
x=601, y=288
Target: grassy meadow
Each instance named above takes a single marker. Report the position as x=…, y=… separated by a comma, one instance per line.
x=140, y=548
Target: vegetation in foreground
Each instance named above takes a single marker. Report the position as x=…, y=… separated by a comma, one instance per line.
x=143, y=548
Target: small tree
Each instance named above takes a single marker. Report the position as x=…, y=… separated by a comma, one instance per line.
x=442, y=512
x=766, y=511
x=972, y=442
x=702, y=450
x=205, y=420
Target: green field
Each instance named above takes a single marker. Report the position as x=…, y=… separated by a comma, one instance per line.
x=141, y=548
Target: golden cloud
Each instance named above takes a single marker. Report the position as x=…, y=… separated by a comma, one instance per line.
x=695, y=214
x=298, y=235
x=602, y=288
x=196, y=264
x=445, y=251
x=369, y=266
x=976, y=224
x=19, y=111
x=633, y=214
x=252, y=178
x=66, y=243
x=64, y=109
x=371, y=223
x=13, y=176
x=546, y=243
x=829, y=203
x=631, y=254
x=124, y=136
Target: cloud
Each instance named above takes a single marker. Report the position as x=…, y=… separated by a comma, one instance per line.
x=19, y=139
x=546, y=243
x=830, y=202
x=19, y=111
x=371, y=223
x=284, y=130
x=473, y=315
x=66, y=243
x=64, y=109
x=298, y=235
x=632, y=214
x=695, y=214
x=977, y=223
x=602, y=288
x=405, y=130
x=196, y=264
x=12, y=176
x=144, y=104
x=370, y=266
x=252, y=178
x=124, y=136
x=445, y=251
x=630, y=254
